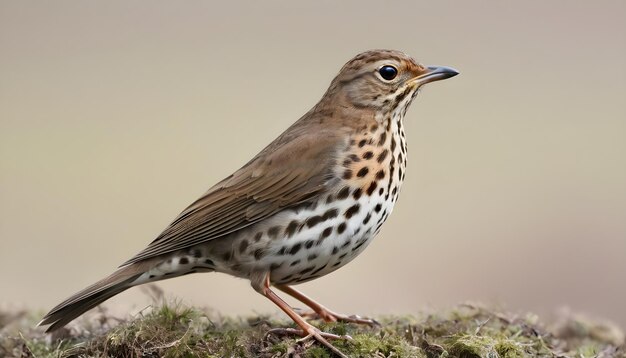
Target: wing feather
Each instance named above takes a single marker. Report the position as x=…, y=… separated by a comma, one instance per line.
x=294, y=169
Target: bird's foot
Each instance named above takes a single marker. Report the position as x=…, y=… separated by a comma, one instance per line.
x=330, y=316
x=312, y=333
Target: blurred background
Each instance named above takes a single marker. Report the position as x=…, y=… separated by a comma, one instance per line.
x=111, y=114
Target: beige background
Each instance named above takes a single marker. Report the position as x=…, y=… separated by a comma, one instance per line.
x=116, y=115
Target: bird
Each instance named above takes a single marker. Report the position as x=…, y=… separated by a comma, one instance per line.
x=306, y=205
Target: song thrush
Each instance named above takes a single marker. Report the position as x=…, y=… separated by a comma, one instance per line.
x=306, y=205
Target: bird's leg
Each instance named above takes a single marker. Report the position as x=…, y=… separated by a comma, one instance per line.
x=308, y=331
x=323, y=312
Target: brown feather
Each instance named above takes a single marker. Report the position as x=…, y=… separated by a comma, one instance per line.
x=294, y=168
x=93, y=295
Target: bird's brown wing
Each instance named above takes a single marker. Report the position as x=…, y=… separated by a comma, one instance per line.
x=293, y=169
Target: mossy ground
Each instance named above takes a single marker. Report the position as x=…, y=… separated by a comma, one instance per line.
x=177, y=331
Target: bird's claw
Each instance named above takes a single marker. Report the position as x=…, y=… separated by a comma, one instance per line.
x=329, y=316
x=311, y=333
x=281, y=332
x=359, y=320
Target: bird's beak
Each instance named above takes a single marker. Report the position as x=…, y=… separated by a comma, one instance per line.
x=435, y=73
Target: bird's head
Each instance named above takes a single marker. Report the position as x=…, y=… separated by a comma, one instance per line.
x=384, y=79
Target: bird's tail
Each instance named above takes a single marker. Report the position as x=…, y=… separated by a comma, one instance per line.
x=81, y=302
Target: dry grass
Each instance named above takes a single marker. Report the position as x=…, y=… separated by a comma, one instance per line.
x=176, y=331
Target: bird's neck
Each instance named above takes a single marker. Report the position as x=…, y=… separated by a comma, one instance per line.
x=375, y=157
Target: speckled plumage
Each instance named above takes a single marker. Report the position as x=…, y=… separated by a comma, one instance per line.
x=306, y=205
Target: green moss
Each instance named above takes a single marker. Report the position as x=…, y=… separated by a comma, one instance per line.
x=509, y=348
x=317, y=352
x=176, y=331
x=364, y=345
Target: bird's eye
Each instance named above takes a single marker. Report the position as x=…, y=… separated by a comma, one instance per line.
x=388, y=72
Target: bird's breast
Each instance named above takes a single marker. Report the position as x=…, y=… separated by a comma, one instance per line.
x=319, y=238
x=305, y=242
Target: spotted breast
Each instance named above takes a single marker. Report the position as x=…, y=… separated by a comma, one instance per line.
x=320, y=236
